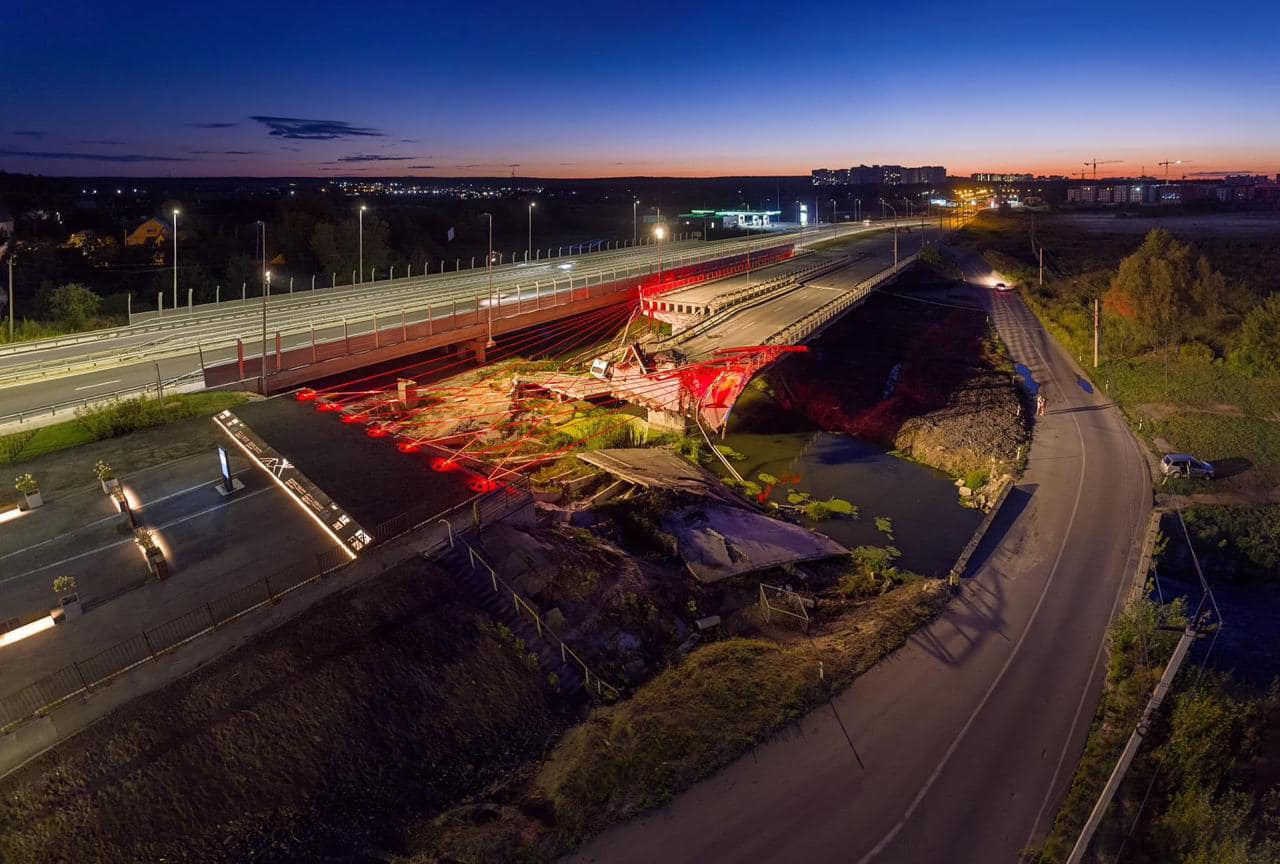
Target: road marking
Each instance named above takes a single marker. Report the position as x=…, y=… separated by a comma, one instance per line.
x=114, y=515
x=101, y=384
x=1044, y=592
x=169, y=524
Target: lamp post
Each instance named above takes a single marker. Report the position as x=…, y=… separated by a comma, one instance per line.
x=266, y=292
x=835, y=225
x=488, y=264
x=529, y=250
x=635, y=225
x=895, y=230
x=175, y=258
x=659, y=232
x=361, y=217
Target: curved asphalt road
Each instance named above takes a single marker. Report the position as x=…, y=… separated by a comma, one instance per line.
x=960, y=745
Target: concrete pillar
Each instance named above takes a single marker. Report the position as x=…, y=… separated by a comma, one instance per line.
x=407, y=392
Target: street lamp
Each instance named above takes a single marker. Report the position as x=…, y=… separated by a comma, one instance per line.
x=635, y=225
x=529, y=250
x=266, y=292
x=488, y=264
x=895, y=229
x=362, y=209
x=835, y=225
x=175, y=258
x=659, y=232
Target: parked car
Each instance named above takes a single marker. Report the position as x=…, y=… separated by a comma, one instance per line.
x=1183, y=465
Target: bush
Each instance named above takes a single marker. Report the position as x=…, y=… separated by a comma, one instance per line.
x=73, y=305
x=1260, y=337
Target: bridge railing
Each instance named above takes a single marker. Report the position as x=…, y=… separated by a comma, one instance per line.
x=820, y=317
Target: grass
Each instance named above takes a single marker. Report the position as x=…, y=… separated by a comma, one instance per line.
x=1205, y=405
x=319, y=741
x=685, y=724
x=110, y=421
x=1138, y=651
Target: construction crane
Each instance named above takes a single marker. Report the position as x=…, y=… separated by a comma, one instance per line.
x=1081, y=173
x=1166, y=163
x=1096, y=162
x=513, y=166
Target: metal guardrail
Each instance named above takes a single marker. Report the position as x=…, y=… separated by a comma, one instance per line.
x=95, y=401
x=818, y=318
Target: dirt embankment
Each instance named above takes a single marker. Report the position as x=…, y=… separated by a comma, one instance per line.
x=918, y=370
x=324, y=740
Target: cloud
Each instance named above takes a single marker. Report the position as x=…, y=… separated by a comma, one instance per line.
x=431, y=167
x=239, y=152
x=291, y=149
x=1218, y=173
x=91, y=157
x=410, y=140
x=104, y=142
x=28, y=133
x=374, y=157
x=298, y=129
x=210, y=125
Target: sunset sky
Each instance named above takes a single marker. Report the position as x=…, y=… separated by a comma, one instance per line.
x=655, y=88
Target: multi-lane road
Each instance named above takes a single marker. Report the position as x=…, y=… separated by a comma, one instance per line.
x=172, y=348
x=960, y=745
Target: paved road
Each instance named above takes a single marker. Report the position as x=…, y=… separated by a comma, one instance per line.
x=36, y=375
x=959, y=746
x=214, y=545
x=754, y=324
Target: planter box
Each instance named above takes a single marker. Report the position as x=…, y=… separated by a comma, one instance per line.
x=33, y=499
x=71, y=607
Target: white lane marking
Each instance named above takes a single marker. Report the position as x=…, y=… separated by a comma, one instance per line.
x=99, y=384
x=141, y=509
x=964, y=730
x=169, y=524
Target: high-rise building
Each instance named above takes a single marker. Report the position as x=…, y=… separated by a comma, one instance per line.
x=879, y=175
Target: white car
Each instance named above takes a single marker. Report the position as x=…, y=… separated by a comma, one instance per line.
x=1183, y=465
x=1000, y=286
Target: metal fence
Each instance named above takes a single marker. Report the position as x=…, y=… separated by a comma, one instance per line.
x=523, y=607
x=88, y=673
x=82, y=676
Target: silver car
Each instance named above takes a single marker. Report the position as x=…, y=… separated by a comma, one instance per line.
x=1183, y=465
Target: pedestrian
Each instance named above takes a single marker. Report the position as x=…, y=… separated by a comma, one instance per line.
x=1039, y=404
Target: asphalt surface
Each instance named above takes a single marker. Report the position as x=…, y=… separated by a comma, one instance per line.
x=960, y=745
x=213, y=544
x=756, y=323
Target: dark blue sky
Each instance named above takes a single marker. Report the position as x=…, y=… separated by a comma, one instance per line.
x=689, y=88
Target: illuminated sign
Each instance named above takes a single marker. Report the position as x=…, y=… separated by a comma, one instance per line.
x=804, y=215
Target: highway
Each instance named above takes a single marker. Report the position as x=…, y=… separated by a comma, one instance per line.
x=755, y=323
x=171, y=349
x=960, y=745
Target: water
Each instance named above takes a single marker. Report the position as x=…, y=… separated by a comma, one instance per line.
x=930, y=527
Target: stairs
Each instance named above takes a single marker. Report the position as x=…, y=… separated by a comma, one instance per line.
x=499, y=606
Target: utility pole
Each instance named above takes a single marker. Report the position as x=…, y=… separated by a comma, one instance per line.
x=1096, y=327
x=11, y=310
x=1095, y=362
x=175, y=258
x=488, y=263
x=635, y=224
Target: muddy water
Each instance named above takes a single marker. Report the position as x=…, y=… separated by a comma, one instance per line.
x=930, y=527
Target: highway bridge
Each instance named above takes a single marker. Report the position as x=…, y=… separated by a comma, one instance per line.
x=364, y=323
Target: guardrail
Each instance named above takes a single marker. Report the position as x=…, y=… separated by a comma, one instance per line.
x=22, y=417
x=205, y=340
x=817, y=319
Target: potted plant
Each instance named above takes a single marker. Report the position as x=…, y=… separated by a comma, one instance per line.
x=26, y=484
x=65, y=588
x=106, y=476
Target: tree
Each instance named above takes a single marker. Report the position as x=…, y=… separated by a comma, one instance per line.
x=73, y=305
x=337, y=247
x=1169, y=290
x=1260, y=337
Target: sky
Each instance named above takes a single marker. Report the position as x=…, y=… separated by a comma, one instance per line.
x=625, y=88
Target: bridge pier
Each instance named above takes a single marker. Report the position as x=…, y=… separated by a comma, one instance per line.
x=667, y=421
